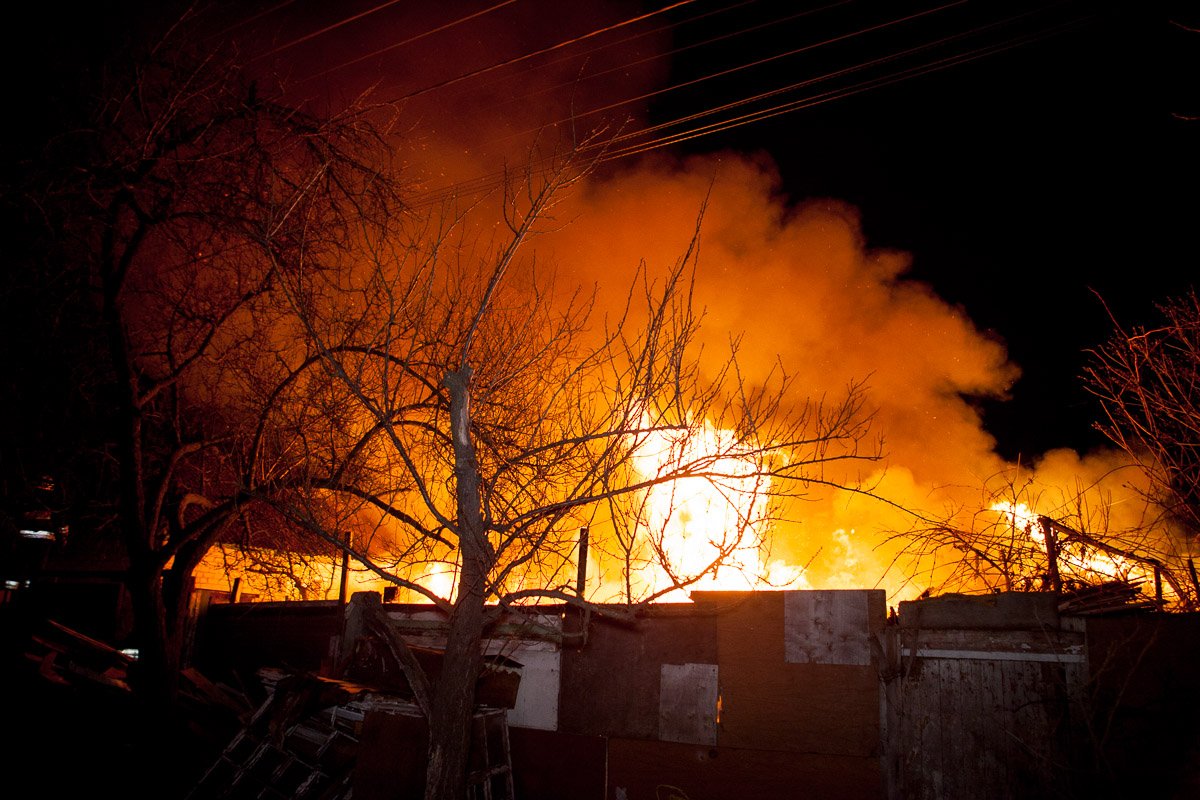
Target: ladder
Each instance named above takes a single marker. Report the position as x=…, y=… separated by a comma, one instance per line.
x=489, y=765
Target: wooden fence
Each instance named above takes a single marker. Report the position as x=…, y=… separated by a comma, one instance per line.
x=813, y=694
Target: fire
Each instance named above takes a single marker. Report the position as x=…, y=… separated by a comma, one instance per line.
x=440, y=581
x=712, y=527
x=1021, y=517
x=1074, y=560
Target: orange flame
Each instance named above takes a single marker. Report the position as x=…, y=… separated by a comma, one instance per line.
x=1076, y=561
x=708, y=527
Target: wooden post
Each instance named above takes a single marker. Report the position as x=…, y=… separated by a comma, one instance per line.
x=355, y=618
x=344, y=588
x=1051, y=538
x=581, y=576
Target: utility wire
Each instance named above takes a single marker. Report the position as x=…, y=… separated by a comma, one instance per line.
x=543, y=51
x=837, y=94
x=322, y=31
x=526, y=56
x=409, y=40
x=487, y=182
x=750, y=65
x=827, y=76
x=667, y=54
x=493, y=180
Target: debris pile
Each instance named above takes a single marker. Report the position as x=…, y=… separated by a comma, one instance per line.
x=1105, y=598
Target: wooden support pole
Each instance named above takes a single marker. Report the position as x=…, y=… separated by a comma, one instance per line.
x=344, y=587
x=355, y=616
x=1051, y=538
x=581, y=575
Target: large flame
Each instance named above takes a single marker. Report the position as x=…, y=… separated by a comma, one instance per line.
x=710, y=528
x=796, y=275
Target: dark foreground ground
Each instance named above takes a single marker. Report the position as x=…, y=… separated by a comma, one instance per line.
x=84, y=738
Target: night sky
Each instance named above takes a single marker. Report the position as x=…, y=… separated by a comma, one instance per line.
x=1027, y=185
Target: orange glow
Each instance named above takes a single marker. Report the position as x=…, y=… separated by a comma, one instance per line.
x=1020, y=516
x=709, y=530
x=441, y=580
x=796, y=277
x=1074, y=560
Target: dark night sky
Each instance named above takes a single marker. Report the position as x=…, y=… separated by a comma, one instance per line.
x=1023, y=184
x=1020, y=183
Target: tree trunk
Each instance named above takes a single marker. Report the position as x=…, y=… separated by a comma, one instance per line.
x=454, y=703
x=454, y=696
x=157, y=671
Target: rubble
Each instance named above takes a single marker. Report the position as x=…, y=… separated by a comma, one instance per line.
x=1105, y=598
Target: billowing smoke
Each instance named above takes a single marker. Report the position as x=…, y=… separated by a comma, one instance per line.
x=799, y=285
x=793, y=276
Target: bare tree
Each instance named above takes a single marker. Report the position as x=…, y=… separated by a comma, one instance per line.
x=276, y=330
x=1148, y=383
x=166, y=217
x=479, y=420
x=1003, y=544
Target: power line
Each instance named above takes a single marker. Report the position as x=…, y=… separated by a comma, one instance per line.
x=669, y=53
x=322, y=31
x=756, y=63
x=544, y=50
x=837, y=94
x=527, y=56
x=411, y=39
x=827, y=76
x=491, y=181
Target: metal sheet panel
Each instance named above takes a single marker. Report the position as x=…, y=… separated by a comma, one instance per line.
x=537, y=697
x=826, y=627
x=687, y=703
x=541, y=677
x=610, y=687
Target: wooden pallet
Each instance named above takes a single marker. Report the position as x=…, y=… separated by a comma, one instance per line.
x=300, y=745
x=309, y=758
